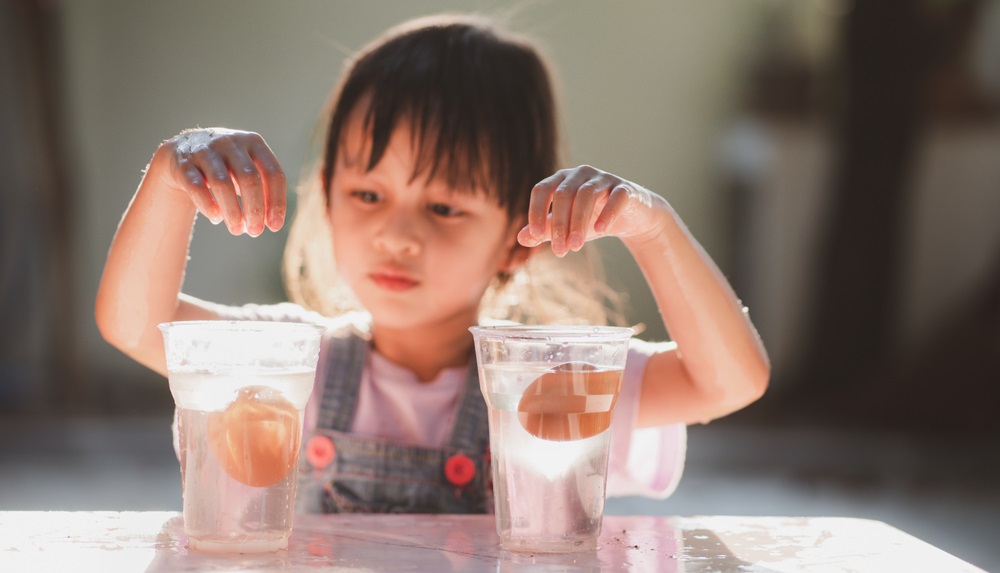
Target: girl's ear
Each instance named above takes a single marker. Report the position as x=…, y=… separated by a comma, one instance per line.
x=517, y=254
x=516, y=257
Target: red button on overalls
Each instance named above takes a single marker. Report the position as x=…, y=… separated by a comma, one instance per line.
x=320, y=451
x=459, y=469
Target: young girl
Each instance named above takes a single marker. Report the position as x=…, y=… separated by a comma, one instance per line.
x=439, y=193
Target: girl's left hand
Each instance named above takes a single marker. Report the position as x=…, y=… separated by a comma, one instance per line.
x=587, y=203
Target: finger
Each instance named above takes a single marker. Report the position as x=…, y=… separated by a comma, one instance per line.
x=616, y=202
x=248, y=186
x=526, y=238
x=275, y=189
x=197, y=189
x=534, y=235
x=220, y=183
x=538, y=205
x=562, y=208
x=583, y=211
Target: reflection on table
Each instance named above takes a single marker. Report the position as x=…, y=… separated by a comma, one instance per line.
x=154, y=542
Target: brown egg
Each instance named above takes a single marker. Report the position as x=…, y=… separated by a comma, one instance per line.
x=572, y=401
x=256, y=438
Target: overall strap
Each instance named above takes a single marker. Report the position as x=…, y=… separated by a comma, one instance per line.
x=346, y=358
x=471, y=430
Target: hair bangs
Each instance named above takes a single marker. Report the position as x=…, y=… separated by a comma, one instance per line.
x=479, y=108
x=449, y=146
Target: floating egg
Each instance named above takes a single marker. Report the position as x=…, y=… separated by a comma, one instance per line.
x=256, y=438
x=572, y=401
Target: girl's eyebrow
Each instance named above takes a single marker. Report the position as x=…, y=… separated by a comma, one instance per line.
x=358, y=175
x=440, y=187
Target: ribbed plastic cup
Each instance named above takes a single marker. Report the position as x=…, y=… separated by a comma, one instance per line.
x=551, y=393
x=240, y=388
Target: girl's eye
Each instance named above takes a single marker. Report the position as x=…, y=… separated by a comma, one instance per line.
x=365, y=196
x=442, y=210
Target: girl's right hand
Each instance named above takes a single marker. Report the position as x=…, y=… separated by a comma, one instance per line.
x=229, y=175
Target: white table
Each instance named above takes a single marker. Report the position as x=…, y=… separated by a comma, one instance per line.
x=153, y=542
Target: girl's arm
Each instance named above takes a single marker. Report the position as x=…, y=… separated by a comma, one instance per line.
x=199, y=170
x=717, y=364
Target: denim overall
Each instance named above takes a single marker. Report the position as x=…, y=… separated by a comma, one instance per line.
x=343, y=473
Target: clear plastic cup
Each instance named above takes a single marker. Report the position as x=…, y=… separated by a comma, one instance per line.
x=551, y=392
x=240, y=388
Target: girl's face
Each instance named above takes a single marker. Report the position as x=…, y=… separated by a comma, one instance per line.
x=414, y=252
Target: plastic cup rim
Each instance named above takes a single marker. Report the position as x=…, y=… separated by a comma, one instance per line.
x=549, y=333
x=240, y=326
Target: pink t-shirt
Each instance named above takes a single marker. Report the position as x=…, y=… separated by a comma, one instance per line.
x=394, y=404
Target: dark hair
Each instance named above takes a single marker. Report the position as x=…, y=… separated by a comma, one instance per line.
x=480, y=104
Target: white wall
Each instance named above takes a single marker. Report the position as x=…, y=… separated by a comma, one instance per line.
x=645, y=86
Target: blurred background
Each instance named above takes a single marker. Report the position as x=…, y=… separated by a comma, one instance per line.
x=839, y=160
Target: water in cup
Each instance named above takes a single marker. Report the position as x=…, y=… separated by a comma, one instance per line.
x=550, y=456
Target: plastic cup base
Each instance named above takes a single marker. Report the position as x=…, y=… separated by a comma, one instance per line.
x=535, y=546
x=238, y=546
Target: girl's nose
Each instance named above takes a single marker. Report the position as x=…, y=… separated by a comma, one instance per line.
x=399, y=235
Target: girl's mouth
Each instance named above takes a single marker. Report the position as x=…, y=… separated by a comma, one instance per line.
x=393, y=282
